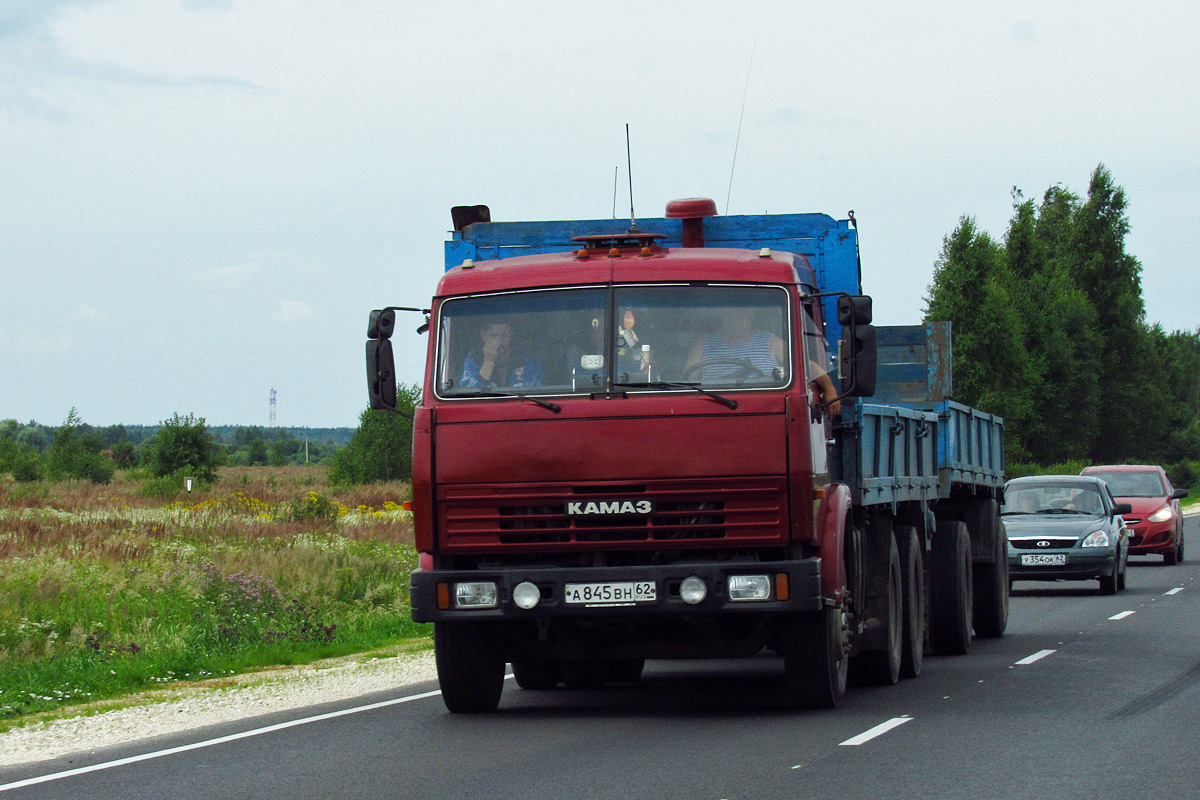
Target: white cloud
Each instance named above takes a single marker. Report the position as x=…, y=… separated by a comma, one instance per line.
x=292, y=311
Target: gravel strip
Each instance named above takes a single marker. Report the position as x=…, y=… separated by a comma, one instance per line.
x=174, y=710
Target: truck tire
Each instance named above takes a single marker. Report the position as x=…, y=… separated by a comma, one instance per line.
x=912, y=573
x=950, y=591
x=882, y=667
x=626, y=670
x=814, y=659
x=584, y=673
x=470, y=669
x=991, y=580
x=536, y=675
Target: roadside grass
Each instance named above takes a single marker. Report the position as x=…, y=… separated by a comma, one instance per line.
x=106, y=591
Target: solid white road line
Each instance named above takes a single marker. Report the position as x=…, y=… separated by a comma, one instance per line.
x=1176, y=590
x=1122, y=615
x=878, y=730
x=1038, y=656
x=210, y=742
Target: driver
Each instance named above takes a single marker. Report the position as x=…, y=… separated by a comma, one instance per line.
x=735, y=340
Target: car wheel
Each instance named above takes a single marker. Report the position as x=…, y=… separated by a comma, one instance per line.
x=1108, y=583
x=1171, y=557
x=1180, y=551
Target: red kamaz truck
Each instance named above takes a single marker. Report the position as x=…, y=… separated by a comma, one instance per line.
x=686, y=440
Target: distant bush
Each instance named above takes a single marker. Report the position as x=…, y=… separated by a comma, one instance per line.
x=21, y=460
x=75, y=453
x=313, y=505
x=184, y=445
x=381, y=449
x=1072, y=467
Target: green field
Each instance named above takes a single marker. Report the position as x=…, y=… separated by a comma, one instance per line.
x=106, y=591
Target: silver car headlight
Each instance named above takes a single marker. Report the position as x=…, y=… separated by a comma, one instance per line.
x=1096, y=539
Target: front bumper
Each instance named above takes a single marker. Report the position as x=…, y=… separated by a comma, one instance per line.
x=803, y=581
x=1149, y=538
x=1078, y=567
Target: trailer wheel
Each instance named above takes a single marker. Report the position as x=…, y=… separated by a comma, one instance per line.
x=882, y=667
x=950, y=591
x=536, y=675
x=814, y=659
x=470, y=669
x=912, y=572
x=991, y=580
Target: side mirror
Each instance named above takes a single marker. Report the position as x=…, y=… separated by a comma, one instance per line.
x=382, y=324
x=1120, y=509
x=858, y=359
x=854, y=310
x=1179, y=494
x=381, y=374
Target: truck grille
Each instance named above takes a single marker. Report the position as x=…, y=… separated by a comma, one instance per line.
x=736, y=511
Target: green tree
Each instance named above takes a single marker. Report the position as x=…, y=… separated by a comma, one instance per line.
x=76, y=453
x=972, y=289
x=381, y=448
x=184, y=444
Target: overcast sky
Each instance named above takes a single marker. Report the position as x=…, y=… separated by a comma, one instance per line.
x=202, y=199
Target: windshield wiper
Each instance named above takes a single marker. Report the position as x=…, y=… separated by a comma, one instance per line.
x=1060, y=511
x=555, y=407
x=725, y=401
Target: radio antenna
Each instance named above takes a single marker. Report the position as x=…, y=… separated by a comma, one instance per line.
x=616, y=170
x=629, y=169
x=738, y=140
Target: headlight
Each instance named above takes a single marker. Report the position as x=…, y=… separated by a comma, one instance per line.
x=526, y=595
x=1096, y=539
x=692, y=590
x=480, y=594
x=1162, y=515
x=749, y=587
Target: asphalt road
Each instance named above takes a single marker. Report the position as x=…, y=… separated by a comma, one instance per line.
x=1086, y=696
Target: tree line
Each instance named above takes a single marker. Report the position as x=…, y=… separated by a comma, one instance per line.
x=1050, y=332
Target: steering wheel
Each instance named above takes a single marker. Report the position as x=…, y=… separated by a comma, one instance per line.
x=746, y=368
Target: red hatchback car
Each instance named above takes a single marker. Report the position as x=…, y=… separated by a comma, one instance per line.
x=1156, y=524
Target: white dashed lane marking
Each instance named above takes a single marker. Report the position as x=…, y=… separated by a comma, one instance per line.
x=1176, y=590
x=878, y=730
x=1038, y=656
x=1122, y=615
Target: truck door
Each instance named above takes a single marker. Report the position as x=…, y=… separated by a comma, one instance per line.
x=816, y=366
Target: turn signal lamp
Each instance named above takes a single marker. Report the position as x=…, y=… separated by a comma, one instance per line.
x=476, y=594
x=749, y=587
x=692, y=590
x=614, y=252
x=582, y=255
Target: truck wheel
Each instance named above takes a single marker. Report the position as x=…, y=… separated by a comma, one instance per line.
x=991, y=581
x=882, y=667
x=584, y=673
x=912, y=574
x=534, y=674
x=814, y=659
x=950, y=591
x=470, y=670
x=626, y=670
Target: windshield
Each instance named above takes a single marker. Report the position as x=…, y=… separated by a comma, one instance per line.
x=1065, y=498
x=594, y=339
x=1132, y=484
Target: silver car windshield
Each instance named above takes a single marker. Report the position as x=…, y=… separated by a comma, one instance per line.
x=1051, y=498
x=627, y=338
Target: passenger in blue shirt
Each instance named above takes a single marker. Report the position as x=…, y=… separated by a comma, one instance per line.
x=495, y=363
